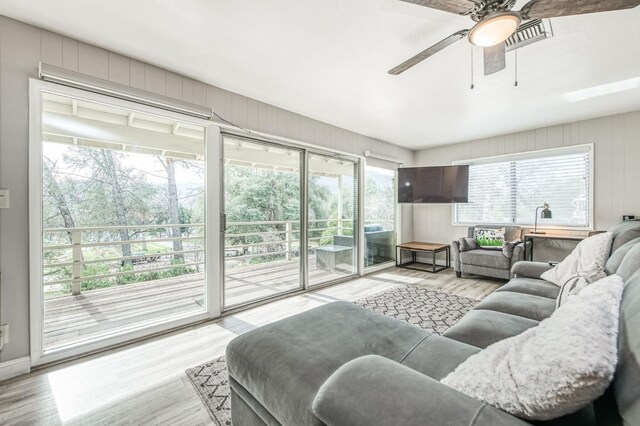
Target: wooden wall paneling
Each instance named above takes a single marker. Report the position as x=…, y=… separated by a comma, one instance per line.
x=282, y=122
x=155, y=80
x=531, y=140
x=603, y=171
x=618, y=166
x=253, y=114
x=566, y=134
x=173, y=85
x=227, y=108
x=632, y=154
x=262, y=117
x=136, y=74
x=187, y=89
x=520, y=142
x=272, y=120
x=555, y=136
x=542, y=138
x=240, y=110
x=575, y=134
x=509, y=144
x=199, y=93
x=293, y=126
x=93, y=61
x=20, y=53
x=69, y=54
x=119, y=69
x=51, y=48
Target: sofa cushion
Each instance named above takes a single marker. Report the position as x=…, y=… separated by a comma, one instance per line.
x=520, y=304
x=624, y=232
x=437, y=356
x=487, y=258
x=531, y=286
x=630, y=264
x=283, y=364
x=587, y=261
x=626, y=384
x=481, y=328
x=616, y=257
x=556, y=368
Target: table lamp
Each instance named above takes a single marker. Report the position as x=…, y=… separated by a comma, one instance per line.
x=544, y=214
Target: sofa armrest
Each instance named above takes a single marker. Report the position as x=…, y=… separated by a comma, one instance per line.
x=529, y=269
x=455, y=245
x=519, y=251
x=372, y=390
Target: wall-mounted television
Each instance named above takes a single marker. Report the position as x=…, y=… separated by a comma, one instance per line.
x=443, y=184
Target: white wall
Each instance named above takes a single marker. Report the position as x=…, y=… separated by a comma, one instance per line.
x=617, y=172
x=22, y=47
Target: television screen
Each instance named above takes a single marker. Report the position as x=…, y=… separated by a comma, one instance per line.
x=444, y=184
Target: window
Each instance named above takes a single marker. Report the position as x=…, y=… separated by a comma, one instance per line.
x=507, y=189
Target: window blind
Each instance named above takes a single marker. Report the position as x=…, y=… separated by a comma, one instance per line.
x=507, y=190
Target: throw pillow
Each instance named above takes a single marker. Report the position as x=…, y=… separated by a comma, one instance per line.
x=466, y=244
x=489, y=237
x=587, y=260
x=508, y=247
x=555, y=368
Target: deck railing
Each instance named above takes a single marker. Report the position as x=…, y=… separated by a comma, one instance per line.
x=244, y=241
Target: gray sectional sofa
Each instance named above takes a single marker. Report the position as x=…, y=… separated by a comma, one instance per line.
x=340, y=364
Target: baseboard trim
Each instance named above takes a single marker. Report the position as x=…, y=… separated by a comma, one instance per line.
x=14, y=368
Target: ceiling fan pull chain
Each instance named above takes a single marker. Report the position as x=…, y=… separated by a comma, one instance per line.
x=472, y=85
x=516, y=84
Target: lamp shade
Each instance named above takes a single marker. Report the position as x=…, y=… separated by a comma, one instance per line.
x=494, y=29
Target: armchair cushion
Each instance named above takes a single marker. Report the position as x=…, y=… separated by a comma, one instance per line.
x=466, y=244
x=487, y=258
x=372, y=390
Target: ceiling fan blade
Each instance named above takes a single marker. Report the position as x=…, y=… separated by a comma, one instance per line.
x=429, y=52
x=495, y=58
x=538, y=9
x=460, y=7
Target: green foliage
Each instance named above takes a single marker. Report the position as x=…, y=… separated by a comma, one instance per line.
x=95, y=283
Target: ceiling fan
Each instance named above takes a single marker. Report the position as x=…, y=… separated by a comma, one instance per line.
x=496, y=22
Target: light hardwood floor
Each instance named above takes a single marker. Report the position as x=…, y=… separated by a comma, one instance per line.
x=144, y=383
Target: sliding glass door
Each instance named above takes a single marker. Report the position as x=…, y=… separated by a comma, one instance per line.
x=119, y=212
x=379, y=216
x=263, y=210
x=332, y=201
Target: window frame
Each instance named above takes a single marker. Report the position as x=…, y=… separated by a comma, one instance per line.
x=535, y=154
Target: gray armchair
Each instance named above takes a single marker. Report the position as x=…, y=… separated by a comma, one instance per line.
x=488, y=262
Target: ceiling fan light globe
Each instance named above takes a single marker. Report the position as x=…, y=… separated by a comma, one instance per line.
x=494, y=29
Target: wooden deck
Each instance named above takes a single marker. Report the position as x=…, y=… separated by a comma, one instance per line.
x=69, y=319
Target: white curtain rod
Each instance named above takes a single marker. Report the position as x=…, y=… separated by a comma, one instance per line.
x=104, y=87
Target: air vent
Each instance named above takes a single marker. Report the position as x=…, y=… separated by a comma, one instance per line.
x=528, y=33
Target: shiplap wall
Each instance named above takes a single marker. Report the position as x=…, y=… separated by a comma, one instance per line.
x=616, y=175
x=22, y=47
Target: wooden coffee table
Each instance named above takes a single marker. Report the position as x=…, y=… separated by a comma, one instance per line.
x=416, y=247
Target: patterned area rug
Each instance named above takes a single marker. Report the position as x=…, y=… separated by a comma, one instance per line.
x=428, y=309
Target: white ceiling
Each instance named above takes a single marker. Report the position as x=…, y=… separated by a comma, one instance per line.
x=329, y=60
